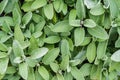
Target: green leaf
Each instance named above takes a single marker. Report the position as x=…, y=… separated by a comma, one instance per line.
x=65, y=62
x=3, y=54
x=38, y=53
x=11, y=70
x=33, y=44
x=17, y=60
x=62, y=26
x=3, y=65
x=31, y=75
x=16, y=16
x=23, y=70
x=68, y=76
x=96, y=72
x=71, y=46
x=10, y=5
x=3, y=5
x=115, y=56
x=97, y=10
x=114, y=66
x=85, y=69
x=49, y=11
x=72, y=18
x=37, y=34
x=6, y=27
x=72, y=15
x=3, y=47
x=38, y=3
x=114, y=10
x=51, y=56
x=38, y=76
x=43, y=72
x=101, y=49
x=91, y=52
x=76, y=73
x=52, y=39
x=37, y=18
x=80, y=9
x=60, y=77
x=18, y=35
x=98, y=32
x=31, y=62
x=7, y=19
x=79, y=35
x=64, y=47
x=58, y=5
x=90, y=3
x=117, y=43
x=107, y=21
x=65, y=9
x=26, y=18
x=27, y=6
x=86, y=41
x=89, y=23
x=17, y=49
x=75, y=23
x=54, y=67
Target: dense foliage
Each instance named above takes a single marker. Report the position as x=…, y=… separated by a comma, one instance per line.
x=59, y=39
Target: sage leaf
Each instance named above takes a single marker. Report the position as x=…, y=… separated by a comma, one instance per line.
x=43, y=72
x=65, y=62
x=49, y=11
x=117, y=43
x=3, y=47
x=38, y=3
x=16, y=16
x=26, y=18
x=52, y=39
x=98, y=32
x=4, y=65
x=54, y=67
x=60, y=77
x=115, y=56
x=80, y=9
x=76, y=74
x=23, y=70
x=62, y=26
x=64, y=47
x=90, y=3
x=38, y=53
x=17, y=49
x=113, y=8
x=89, y=23
x=51, y=56
x=97, y=10
x=101, y=49
x=18, y=35
x=79, y=35
x=91, y=52
x=3, y=5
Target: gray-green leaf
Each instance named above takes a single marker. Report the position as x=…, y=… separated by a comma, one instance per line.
x=23, y=70
x=79, y=35
x=62, y=26
x=43, y=72
x=89, y=23
x=38, y=53
x=3, y=65
x=116, y=56
x=98, y=32
x=51, y=56
x=49, y=11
